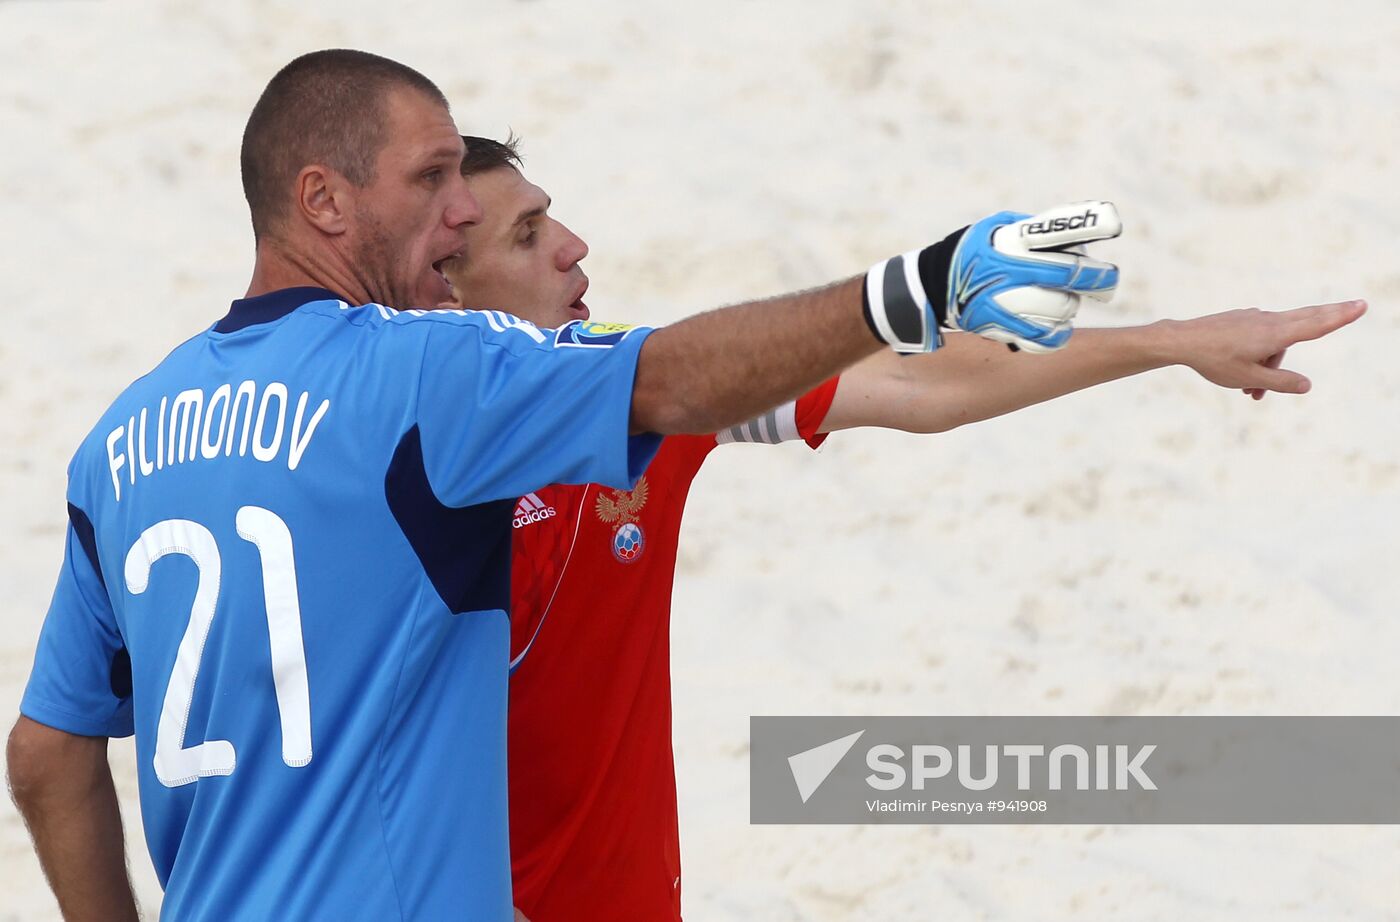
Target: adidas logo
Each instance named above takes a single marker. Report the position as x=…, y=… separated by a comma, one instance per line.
x=531, y=509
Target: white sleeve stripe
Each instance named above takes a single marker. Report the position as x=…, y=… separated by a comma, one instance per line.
x=769, y=424
x=786, y=419
x=779, y=425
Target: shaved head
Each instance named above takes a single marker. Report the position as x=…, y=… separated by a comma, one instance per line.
x=327, y=108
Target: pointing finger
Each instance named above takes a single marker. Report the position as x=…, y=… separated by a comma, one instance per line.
x=1307, y=323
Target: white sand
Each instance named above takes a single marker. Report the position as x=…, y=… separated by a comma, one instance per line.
x=1157, y=547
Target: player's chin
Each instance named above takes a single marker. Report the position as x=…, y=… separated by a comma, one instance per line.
x=433, y=290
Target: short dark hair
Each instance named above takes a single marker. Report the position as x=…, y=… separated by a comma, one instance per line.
x=485, y=154
x=324, y=107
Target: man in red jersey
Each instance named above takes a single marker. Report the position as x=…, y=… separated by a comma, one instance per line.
x=594, y=831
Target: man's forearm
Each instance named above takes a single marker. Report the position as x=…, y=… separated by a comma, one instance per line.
x=722, y=367
x=1019, y=280
x=1013, y=380
x=971, y=379
x=63, y=787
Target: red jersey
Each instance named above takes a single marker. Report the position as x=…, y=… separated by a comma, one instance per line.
x=593, y=829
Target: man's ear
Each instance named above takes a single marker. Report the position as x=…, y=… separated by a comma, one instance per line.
x=323, y=198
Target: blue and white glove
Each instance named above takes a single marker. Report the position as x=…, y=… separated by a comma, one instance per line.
x=1014, y=278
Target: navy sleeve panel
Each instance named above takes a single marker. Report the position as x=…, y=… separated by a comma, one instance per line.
x=87, y=537
x=465, y=552
x=81, y=682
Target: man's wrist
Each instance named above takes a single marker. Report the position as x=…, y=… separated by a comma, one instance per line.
x=1164, y=343
x=905, y=298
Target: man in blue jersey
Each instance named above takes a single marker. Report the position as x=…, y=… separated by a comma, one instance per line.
x=287, y=557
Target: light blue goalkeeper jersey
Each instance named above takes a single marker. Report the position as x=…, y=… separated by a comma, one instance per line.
x=287, y=573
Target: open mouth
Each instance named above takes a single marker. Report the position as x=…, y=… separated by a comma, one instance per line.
x=576, y=305
x=438, y=266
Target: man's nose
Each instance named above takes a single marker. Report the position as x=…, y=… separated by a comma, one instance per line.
x=464, y=210
x=571, y=252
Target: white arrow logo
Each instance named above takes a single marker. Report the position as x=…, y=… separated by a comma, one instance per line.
x=811, y=768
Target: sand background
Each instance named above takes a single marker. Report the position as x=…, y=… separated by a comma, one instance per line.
x=1154, y=547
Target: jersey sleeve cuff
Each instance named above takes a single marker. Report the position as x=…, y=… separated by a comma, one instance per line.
x=38, y=710
x=642, y=446
x=812, y=408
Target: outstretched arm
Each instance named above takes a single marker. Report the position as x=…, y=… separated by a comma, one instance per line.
x=62, y=785
x=1010, y=277
x=972, y=379
x=714, y=369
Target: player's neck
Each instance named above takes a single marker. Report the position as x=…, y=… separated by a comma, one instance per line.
x=277, y=267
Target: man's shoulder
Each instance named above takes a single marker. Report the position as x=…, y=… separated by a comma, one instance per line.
x=381, y=317
x=136, y=394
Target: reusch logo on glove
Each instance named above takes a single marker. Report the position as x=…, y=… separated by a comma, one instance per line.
x=1089, y=218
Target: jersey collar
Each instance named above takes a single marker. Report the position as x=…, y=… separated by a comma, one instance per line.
x=246, y=312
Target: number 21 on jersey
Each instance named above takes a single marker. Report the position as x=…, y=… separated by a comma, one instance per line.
x=176, y=764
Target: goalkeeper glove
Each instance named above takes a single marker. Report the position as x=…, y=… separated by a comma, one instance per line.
x=1011, y=277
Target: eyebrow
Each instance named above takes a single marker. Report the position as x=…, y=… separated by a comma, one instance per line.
x=444, y=152
x=535, y=212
